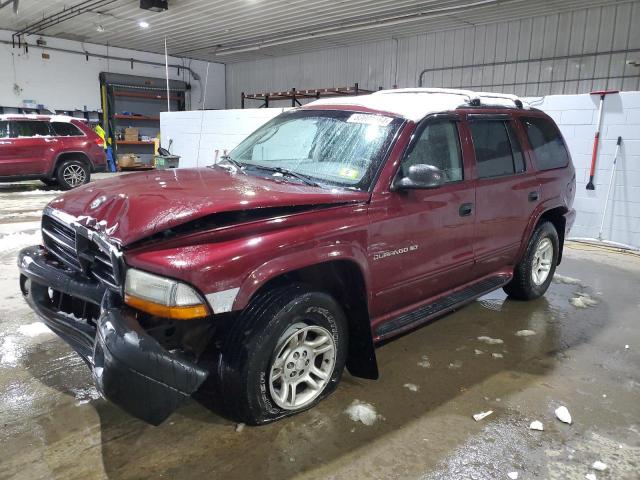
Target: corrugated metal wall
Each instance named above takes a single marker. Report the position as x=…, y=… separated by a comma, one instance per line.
x=573, y=52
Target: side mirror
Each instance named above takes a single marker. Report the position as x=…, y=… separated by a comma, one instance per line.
x=420, y=176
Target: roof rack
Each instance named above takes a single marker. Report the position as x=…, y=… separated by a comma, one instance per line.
x=472, y=98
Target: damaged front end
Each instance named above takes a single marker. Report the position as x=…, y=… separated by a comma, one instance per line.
x=74, y=283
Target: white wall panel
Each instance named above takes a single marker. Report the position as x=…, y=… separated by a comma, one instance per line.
x=576, y=116
x=526, y=57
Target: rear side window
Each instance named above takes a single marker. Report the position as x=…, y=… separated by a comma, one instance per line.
x=495, y=156
x=4, y=129
x=548, y=147
x=65, y=129
x=30, y=128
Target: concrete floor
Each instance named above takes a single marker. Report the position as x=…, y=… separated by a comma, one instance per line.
x=54, y=425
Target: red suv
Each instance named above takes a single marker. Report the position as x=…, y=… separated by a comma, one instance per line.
x=58, y=150
x=329, y=229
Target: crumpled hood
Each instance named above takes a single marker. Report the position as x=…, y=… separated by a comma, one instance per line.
x=134, y=206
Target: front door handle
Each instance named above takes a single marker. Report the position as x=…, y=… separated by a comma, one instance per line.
x=465, y=209
x=534, y=196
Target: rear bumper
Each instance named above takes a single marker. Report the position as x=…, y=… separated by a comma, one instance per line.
x=129, y=367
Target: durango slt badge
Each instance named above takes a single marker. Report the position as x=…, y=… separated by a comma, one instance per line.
x=391, y=253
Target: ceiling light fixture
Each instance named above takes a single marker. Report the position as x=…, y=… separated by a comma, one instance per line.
x=154, y=5
x=143, y=24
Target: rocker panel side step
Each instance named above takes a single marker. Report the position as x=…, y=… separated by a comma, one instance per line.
x=441, y=305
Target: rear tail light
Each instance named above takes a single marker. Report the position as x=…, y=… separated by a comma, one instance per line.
x=99, y=142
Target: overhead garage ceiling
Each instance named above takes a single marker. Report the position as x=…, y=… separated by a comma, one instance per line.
x=231, y=31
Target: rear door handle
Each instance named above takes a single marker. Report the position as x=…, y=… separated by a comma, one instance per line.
x=534, y=196
x=465, y=209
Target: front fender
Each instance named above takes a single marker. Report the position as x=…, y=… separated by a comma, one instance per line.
x=289, y=263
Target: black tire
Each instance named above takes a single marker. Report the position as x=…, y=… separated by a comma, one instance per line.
x=49, y=182
x=253, y=342
x=522, y=286
x=63, y=171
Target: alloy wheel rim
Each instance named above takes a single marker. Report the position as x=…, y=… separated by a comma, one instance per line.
x=302, y=366
x=541, y=264
x=74, y=175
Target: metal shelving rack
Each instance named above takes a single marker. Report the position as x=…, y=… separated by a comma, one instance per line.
x=293, y=95
x=145, y=98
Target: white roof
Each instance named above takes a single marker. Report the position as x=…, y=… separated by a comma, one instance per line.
x=416, y=103
x=38, y=116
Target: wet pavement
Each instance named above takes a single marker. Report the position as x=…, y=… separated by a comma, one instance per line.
x=563, y=349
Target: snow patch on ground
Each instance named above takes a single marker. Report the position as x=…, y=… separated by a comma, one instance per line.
x=40, y=192
x=557, y=278
x=525, y=333
x=27, y=214
x=479, y=416
x=16, y=241
x=363, y=412
x=497, y=355
x=34, y=329
x=9, y=352
x=411, y=386
x=562, y=414
x=536, y=425
x=583, y=300
x=424, y=362
x=85, y=395
x=455, y=365
x=491, y=341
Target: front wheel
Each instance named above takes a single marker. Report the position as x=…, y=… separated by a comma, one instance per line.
x=72, y=173
x=533, y=274
x=284, y=354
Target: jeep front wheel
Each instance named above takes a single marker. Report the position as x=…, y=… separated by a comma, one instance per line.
x=533, y=274
x=285, y=352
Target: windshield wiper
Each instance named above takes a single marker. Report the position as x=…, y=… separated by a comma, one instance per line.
x=238, y=166
x=300, y=176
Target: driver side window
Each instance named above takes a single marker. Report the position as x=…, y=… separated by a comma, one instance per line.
x=438, y=145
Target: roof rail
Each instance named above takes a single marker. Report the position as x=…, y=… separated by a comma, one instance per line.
x=472, y=98
x=503, y=96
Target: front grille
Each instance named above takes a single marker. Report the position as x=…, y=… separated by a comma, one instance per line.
x=60, y=240
x=74, y=247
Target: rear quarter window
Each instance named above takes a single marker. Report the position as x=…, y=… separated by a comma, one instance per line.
x=548, y=146
x=65, y=129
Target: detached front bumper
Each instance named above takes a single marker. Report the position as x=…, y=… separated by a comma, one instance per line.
x=129, y=367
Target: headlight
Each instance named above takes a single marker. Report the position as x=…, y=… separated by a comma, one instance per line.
x=162, y=296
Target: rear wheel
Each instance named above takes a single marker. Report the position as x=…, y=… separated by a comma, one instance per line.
x=533, y=275
x=72, y=173
x=284, y=354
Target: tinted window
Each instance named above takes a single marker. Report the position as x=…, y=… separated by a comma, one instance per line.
x=518, y=158
x=4, y=129
x=491, y=142
x=30, y=128
x=438, y=145
x=64, y=129
x=548, y=146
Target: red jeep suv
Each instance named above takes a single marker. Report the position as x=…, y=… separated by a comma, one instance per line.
x=58, y=150
x=329, y=229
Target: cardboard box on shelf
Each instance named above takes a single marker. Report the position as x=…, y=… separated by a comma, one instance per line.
x=131, y=134
x=127, y=159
